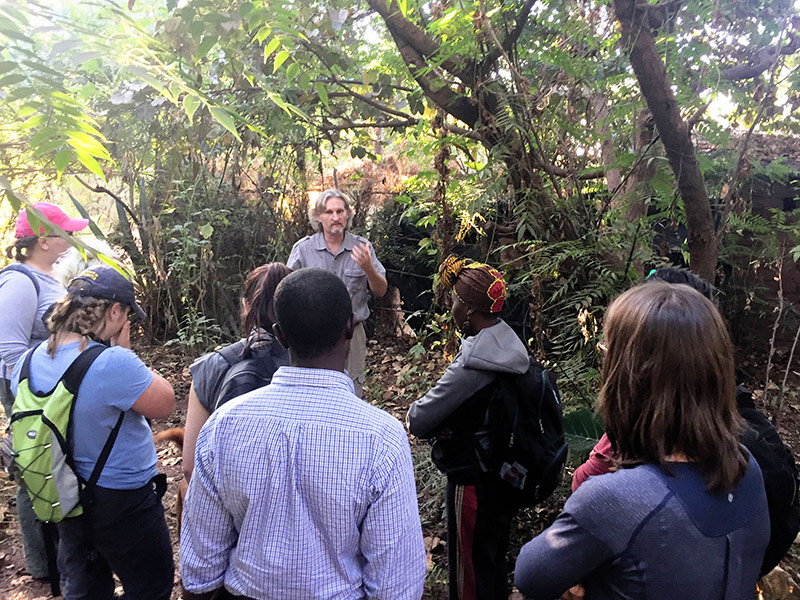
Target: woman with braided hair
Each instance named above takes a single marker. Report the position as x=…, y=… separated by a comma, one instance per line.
x=123, y=531
x=479, y=512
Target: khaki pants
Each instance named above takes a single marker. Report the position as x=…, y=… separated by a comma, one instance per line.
x=356, y=360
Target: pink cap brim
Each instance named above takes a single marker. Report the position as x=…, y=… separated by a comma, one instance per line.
x=75, y=224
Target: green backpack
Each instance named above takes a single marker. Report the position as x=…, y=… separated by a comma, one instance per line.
x=41, y=426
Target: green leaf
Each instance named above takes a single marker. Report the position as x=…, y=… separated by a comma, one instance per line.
x=225, y=119
x=190, y=104
x=47, y=146
x=7, y=65
x=85, y=214
x=88, y=161
x=88, y=144
x=323, y=93
x=292, y=70
x=583, y=429
x=149, y=79
x=271, y=47
x=64, y=45
x=206, y=45
x=305, y=80
x=62, y=160
x=12, y=79
x=263, y=34
x=280, y=58
x=206, y=230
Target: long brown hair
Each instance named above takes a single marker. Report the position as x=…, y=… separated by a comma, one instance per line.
x=668, y=383
x=259, y=288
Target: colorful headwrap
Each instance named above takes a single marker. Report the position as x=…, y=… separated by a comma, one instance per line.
x=477, y=285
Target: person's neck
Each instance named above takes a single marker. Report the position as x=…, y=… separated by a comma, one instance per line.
x=479, y=324
x=40, y=263
x=333, y=241
x=678, y=457
x=329, y=363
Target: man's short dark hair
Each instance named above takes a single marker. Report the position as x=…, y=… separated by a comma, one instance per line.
x=686, y=277
x=312, y=307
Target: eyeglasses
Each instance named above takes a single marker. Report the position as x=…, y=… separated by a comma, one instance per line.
x=69, y=233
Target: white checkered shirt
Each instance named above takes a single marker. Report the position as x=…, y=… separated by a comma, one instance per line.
x=303, y=490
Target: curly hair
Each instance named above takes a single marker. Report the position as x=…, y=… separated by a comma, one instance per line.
x=75, y=314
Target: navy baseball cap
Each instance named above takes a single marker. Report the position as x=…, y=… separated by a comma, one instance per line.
x=106, y=283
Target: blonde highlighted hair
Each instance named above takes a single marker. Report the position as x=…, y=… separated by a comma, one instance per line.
x=83, y=315
x=318, y=207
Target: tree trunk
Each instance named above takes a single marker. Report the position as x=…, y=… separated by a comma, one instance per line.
x=652, y=75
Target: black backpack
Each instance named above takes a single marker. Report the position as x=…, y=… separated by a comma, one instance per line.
x=250, y=369
x=525, y=444
x=780, y=478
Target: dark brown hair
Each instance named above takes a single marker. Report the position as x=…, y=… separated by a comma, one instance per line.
x=668, y=383
x=21, y=248
x=259, y=288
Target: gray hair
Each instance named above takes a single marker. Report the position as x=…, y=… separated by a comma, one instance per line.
x=318, y=207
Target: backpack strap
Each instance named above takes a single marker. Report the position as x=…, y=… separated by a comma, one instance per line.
x=25, y=373
x=101, y=460
x=234, y=353
x=20, y=269
x=75, y=373
x=72, y=381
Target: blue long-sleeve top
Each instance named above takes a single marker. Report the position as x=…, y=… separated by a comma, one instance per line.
x=639, y=533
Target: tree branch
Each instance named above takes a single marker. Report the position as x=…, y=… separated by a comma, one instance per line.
x=511, y=39
x=98, y=189
x=401, y=27
x=762, y=61
x=379, y=124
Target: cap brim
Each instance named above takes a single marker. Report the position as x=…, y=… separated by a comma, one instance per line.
x=75, y=225
x=137, y=310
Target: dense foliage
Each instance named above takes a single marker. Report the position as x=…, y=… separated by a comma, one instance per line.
x=578, y=143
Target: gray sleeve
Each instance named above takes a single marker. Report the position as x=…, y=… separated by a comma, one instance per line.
x=18, y=307
x=453, y=388
x=375, y=262
x=295, y=261
x=207, y=373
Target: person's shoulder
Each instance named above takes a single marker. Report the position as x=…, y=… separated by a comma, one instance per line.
x=302, y=241
x=117, y=357
x=357, y=239
x=18, y=275
x=624, y=492
x=381, y=423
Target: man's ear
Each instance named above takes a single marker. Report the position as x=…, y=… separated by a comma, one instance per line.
x=349, y=327
x=276, y=331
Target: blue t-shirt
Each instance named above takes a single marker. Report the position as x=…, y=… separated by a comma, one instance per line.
x=112, y=384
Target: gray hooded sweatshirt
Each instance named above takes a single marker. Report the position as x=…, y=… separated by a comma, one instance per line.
x=496, y=349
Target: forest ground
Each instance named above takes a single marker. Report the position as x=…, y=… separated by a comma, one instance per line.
x=394, y=380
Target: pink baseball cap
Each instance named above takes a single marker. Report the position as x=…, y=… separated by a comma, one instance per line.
x=54, y=214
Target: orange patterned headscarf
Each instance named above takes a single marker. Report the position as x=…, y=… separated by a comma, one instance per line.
x=477, y=285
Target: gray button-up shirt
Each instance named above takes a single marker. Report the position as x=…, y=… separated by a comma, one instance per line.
x=312, y=251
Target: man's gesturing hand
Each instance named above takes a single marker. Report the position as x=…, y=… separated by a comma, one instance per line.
x=362, y=256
